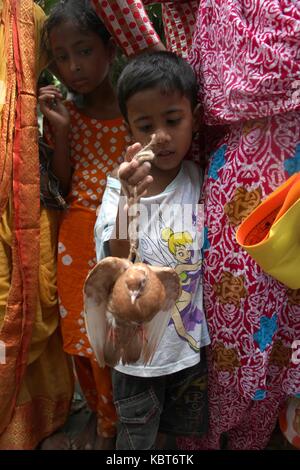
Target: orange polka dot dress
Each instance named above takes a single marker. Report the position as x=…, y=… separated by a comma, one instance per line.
x=97, y=147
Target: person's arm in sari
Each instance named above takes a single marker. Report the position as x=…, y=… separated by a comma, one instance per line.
x=179, y=18
x=129, y=23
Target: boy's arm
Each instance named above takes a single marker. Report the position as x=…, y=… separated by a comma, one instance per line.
x=57, y=115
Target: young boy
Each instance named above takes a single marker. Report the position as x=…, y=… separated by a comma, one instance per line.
x=158, y=95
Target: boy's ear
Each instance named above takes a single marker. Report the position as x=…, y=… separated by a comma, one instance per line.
x=197, y=119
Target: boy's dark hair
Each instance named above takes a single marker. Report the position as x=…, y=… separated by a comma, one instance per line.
x=78, y=11
x=164, y=70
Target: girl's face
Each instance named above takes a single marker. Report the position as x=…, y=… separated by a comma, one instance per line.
x=81, y=57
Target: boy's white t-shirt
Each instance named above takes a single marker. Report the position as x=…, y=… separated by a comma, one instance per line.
x=176, y=210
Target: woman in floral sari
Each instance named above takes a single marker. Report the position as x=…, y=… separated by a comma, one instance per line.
x=35, y=376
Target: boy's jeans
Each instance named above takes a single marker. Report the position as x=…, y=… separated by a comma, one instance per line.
x=174, y=404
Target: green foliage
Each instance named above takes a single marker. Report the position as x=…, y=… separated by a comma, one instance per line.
x=46, y=4
x=155, y=15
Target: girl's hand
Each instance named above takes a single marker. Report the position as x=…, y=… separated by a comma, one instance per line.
x=52, y=107
x=132, y=173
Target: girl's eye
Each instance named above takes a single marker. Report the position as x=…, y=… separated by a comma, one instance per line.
x=85, y=51
x=173, y=122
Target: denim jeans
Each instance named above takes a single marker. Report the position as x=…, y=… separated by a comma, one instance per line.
x=174, y=404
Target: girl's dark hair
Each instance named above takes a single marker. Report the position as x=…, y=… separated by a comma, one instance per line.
x=78, y=11
x=163, y=70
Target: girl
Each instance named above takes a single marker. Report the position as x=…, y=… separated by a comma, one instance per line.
x=94, y=132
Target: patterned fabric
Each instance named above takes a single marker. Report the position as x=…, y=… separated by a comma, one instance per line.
x=45, y=393
x=96, y=383
x=97, y=147
x=248, y=312
x=179, y=23
x=254, y=71
x=253, y=319
x=247, y=423
x=129, y=23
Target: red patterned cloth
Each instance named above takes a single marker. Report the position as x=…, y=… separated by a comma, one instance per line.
x=129, y=23
x=253, y=319
x=179, y=23
x=246, y=55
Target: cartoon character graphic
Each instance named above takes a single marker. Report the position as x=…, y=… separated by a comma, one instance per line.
x=186, y=315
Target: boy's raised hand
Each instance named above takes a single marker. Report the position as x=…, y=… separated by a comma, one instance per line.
x=52, y=107
x=134, y=173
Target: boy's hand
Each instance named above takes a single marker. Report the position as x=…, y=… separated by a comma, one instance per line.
x=133, y=173
x=52, y=107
